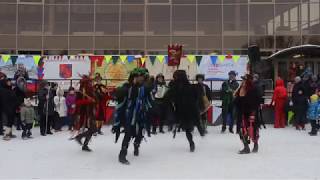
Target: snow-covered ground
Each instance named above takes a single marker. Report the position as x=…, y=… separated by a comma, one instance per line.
x=284, y=153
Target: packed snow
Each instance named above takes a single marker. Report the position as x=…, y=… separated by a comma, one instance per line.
x=284, y=153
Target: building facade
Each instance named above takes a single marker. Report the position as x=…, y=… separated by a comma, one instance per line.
x=53, y=27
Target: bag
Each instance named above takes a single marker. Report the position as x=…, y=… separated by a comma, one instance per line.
x=206, y=104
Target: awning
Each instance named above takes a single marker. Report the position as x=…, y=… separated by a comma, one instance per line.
x=296, y=52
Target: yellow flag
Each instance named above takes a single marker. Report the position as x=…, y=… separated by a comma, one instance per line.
x=160, y=58
x=5, y=58
x=143, y=60
x=107, y=58
x=191, y=58
x=235, y=58
x=221, y=58
x=36, y=59
x=123, y=58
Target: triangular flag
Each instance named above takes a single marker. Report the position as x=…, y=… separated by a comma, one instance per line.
x=153, y=59
x=160, y=58
x=72, y=57
x=5, y=58
x=36, y=59
x=221, y=58
x=191, y=58
x=198, y=59
x=236, y=58
x=14, y=59
x=143, y=60
x=130, y=59
x=213, y=59
x=167, y=59
x=115, y=59
x=107, y=58
x=123, y=58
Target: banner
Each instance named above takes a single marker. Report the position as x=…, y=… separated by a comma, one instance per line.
x=218, y=70
x=66, y=69
x=10, y=67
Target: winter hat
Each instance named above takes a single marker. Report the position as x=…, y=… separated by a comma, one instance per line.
x=314, y=98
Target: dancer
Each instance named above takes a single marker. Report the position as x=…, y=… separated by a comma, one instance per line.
x=101, y=98
x=131, y=113
x=85, y=104
x=185, y=98
x=247, y=104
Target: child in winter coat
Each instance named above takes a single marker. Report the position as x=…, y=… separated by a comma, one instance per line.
x=27, y=115
x=71, y=106
x=279, y=99
x=300, y=107
x=60, y=108
x=313, y=114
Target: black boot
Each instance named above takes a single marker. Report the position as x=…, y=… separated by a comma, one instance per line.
x=161, y=130
x=78, y=140
x=154, y=130
x=86, y=148
x=255, y=148
x=223, y=130
x=136, y=150
x=192, y=147
x=231, y=130
x=122, y=157
x=245, y=150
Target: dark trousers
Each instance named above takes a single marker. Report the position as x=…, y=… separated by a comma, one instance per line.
x=71, y=120
x=45, y=125
x=88, y=133
x=314, y=126
x=129, y=133
x=9, y=119
x=1, y=123
x=225, y=112
x=159, y=114
x=59, y=122
x=18, y=121
x=26, y=130
x=189, y=136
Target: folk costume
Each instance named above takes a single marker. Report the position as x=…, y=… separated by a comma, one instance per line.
x=131, y=112
x=185, y=99
x=85, y=108
x=247, y=102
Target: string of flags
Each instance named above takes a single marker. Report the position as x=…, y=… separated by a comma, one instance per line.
x=122, y=58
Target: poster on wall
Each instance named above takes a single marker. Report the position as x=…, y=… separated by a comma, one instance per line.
x=218, y=69
x=118, y=71
x=64, y=68
x=25, y=62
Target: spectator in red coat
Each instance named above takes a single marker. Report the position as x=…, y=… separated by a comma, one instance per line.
x=279, y=100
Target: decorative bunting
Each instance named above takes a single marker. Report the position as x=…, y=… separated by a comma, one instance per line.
x=191, y=58
x=107, y=58
x=198, y=59
x=36, y=59
x=14, y=60
x=130, y=59
x=167, y=59
x=98, y=59
x=123, y=58
x=160, y=58
x=213, y=59
x=115, y=59
x=153, y=59
x=5, y=58
x=236, y=58
x=221, y=58
x=143, y=60
x=72, y=57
